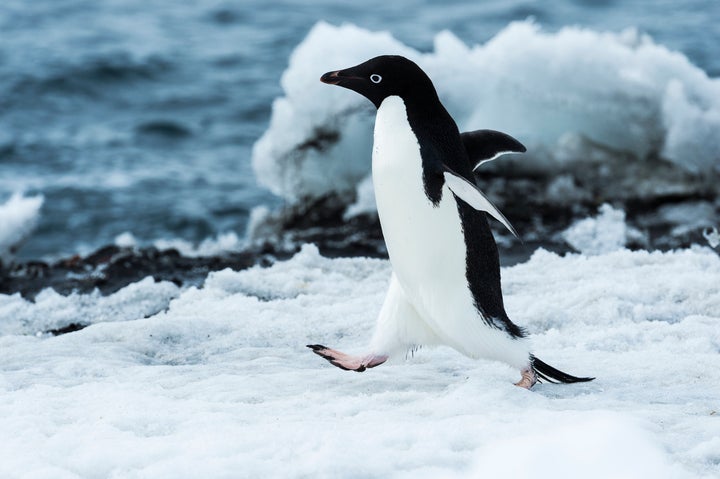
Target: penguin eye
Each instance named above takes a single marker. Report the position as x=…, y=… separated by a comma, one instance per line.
x=375, y=78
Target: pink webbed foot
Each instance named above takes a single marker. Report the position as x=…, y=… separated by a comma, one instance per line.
x=528, y=378
x=346, y=361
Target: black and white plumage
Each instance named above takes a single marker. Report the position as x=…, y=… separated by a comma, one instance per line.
x=445, y=286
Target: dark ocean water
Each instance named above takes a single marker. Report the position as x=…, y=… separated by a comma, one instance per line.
x=140, y=117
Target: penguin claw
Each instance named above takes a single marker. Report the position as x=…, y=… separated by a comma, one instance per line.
x=346, y=361
x=528, y=378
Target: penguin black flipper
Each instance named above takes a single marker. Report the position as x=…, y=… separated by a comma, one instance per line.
x=486, y=145
x=472, y=195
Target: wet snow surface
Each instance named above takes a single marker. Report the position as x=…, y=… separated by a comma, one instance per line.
x=216, y=381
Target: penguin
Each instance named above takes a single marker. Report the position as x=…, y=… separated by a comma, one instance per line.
x=445, y=282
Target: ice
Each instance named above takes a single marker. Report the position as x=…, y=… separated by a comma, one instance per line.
x=18, y=217
x=692, y=126
x=603, y=234
x=126, y=240
x=365, y=200
x=712, y=236
x=217, y=382
x=566, y=95
x=222, y=243
x=318, y=138
x=688, y=216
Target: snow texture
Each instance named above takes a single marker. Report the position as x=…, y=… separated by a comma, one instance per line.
x=561, y=94
x=217, y=382
x=18, y=217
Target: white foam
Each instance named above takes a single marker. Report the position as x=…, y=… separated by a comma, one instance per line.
x=219, y=380
x=18, y=217
x=619, y=91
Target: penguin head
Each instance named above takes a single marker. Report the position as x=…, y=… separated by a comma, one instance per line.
x=381, y=77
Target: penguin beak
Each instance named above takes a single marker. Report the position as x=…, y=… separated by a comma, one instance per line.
x=331, y=78
x=355, y=79
x=340, y=77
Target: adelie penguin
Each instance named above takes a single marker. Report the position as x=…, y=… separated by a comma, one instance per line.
x=445, y=285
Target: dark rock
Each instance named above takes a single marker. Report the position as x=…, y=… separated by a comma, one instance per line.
x=111, y=268
x=659, y=222
x=70, y=328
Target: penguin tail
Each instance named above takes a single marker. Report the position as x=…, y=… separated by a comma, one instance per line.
x=545, y=372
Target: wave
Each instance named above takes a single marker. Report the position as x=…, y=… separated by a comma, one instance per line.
x=84, y=76
x=575, y=98
x=70, y=86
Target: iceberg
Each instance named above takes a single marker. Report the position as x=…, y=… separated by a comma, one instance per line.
x=574, y=97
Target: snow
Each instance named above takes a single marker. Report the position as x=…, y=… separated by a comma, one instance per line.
x=51, y=310
x=566, y=448
x=217, y=382
x=18, y=217
x=571, y=97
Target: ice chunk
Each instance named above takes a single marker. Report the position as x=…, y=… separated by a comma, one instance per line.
x=126, y=240
x=319, y=137
x=691, y=116
x=712, y=236
x=365, y=199
x=616, y=92
x=18, y=217
x=603, y=234
x=222, y=243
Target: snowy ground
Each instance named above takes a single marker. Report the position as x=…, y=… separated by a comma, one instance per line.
x=217, y=382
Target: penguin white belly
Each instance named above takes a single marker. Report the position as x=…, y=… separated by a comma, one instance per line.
x=426, y=243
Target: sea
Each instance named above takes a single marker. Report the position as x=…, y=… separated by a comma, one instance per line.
x=140, y=117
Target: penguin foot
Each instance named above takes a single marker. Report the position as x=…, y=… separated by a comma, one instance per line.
x=346, y=361
x=528, y=378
